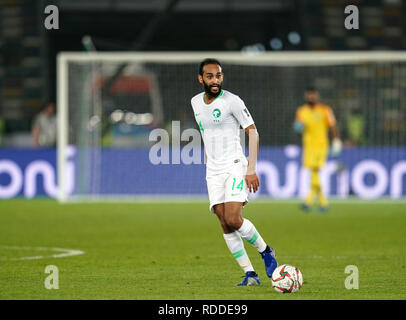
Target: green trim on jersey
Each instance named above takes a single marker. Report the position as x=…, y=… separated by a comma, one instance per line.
x=220, y=94
x=200, y=126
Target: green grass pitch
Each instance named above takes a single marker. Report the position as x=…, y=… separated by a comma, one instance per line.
x=176, y=250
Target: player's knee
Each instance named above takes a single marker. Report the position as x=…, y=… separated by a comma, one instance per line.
x=219, y=210
x=233, y=222
x=226, y=228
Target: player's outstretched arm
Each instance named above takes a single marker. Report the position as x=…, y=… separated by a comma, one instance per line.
x=251, y=177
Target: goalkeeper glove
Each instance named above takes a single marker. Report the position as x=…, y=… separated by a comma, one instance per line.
x=336, y=147
x=298, y=127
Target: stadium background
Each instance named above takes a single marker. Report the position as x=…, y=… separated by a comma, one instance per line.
x=172, y=248
x=368, y=99
x=28, y=50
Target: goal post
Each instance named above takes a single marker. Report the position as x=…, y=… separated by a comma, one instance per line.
x=62, y=125
x=106, y=134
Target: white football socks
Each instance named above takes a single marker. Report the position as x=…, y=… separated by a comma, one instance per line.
x=251, y=235
x=236, y=246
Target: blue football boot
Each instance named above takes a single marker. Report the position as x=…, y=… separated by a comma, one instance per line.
x=322, y=209
x=250, y=279
x=268, y=255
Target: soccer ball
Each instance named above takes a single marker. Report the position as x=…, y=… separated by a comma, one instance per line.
x=287, y=279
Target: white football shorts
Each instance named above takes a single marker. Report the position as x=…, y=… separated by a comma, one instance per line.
x=228, y=187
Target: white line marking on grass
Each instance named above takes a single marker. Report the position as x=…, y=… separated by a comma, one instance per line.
x=63, y=252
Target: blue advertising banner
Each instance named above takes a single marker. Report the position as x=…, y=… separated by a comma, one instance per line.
x=28, y=173
x=367, y=173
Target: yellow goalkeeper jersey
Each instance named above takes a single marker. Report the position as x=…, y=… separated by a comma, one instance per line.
x=317, y=121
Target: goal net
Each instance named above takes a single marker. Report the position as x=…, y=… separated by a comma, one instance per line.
x=126, y=129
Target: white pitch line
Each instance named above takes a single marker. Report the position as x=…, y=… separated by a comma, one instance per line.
x=64, y=252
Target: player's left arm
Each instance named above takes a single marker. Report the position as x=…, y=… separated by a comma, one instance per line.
x=251, y=178
x=336, y=144
x=334, y=132
x=243, y=116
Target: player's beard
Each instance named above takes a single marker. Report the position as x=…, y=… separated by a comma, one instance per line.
x=208, y=91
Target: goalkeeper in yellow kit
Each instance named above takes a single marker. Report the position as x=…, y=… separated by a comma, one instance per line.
x=314, y=120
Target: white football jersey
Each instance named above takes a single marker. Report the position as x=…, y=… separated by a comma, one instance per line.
x=219, y=124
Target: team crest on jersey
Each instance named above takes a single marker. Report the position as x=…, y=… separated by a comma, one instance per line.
x=216, y=113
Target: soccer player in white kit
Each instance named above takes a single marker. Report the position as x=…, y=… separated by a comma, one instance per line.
x=229, y=174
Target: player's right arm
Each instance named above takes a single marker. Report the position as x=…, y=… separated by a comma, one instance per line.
x=336, y=144
x=201, y=129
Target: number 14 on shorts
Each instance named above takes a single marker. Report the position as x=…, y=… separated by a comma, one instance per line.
x=239, y=186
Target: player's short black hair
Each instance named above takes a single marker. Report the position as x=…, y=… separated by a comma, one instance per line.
x=207, y=61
